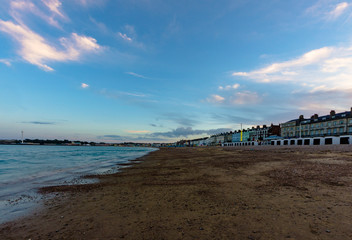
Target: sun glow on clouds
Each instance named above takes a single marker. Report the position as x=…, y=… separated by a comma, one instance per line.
x=54, y=6
x=6, y=62
x=339, y=10
x=36, y=50
x=330, y=67
x=138, y=131
x=215, y=99
x=84, y=85
x=328, y=12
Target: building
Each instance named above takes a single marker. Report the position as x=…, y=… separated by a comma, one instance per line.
x=334, y=124
x=256, y=134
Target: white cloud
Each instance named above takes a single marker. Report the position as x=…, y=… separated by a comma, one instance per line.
x=84, y=85
x=124, y=36
x=6, y=62
x=36, y=50
x=328, y=66
x=338, y=10
x=229, y=87
x=19, y=9
x=137, y=75
x=215, y=99
x=325, y=10
x=129, y=35
x=54, y=6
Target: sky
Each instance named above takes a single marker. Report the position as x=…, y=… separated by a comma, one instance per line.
x=164, y=70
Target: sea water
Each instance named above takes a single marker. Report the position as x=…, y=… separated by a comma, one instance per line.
x=25, y=168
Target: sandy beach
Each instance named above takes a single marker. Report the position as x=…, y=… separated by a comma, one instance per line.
x=262, y=192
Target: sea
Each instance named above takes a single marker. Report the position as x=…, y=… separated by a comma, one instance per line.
x=26, y=168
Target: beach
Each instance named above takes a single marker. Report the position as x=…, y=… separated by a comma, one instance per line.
x=261, y=192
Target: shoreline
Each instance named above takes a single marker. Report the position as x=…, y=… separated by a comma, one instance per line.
x=18, y=204
x=206, y=193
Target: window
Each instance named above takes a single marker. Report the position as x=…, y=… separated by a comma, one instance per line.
x=350, y=129
x=335, y=122
x=329, y=124
x=350, y=121
x=322, y=125
x=329, y=131
x=335, y=130
x=341, y=130
x=341, y=121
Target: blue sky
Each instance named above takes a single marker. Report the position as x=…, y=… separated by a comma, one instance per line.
x=159, y=71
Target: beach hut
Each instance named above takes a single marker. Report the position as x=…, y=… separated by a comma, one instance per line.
x=332, y=140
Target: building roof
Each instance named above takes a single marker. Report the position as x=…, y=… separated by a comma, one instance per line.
x=321, y=118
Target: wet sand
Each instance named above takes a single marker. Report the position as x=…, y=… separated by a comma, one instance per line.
x=259, y=192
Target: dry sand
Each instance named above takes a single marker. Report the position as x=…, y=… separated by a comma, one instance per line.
x=259, y=192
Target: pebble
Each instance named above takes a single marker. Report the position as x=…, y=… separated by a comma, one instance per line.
x=328, y=231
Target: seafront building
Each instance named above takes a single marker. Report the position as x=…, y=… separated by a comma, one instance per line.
x=335, y=128
x=334, y=124
x=251, y=136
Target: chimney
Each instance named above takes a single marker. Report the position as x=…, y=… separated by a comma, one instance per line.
x=316, y=116
x=264, y=126
x=301, y=117
x=258, y=126
x=312, y=117
x=332, y=112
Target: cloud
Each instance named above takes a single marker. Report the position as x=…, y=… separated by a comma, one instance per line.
x=236, y=98
x=114, y=137
x=124, y=36
x=20, y=8
x=137, y=75
x=188, y=131
x=338, y=10
x=36, y=50
x=40, y=123
x=129, y=35
x=137, y=131
x=120, y=94
x=54, y=6
x=91, y=3
x=215, y=99
x=180, y=119
x=245, y=97
x=229, y=87
x=327, y=11
x=330, y=67
x=84, y=85
x=6, y=62
x=101, y=26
